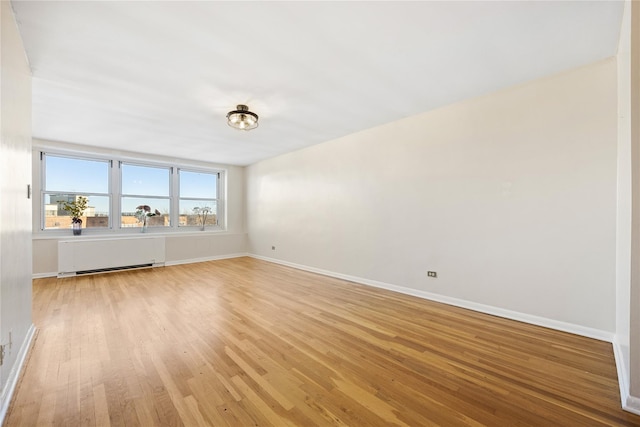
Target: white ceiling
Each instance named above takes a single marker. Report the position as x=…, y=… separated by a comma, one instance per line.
x=159, y=76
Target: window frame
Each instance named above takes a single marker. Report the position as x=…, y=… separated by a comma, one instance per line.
x=219, y=206
x=169, y=197
x=44, y=191
x=115, y=194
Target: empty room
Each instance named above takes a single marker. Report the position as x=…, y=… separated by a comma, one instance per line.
x=312, y=213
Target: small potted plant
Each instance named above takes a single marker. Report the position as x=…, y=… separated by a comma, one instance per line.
x=202, y=215
x=76, y=208
x=142, y=213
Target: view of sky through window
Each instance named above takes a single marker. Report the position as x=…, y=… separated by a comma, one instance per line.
x=145, y=180
x=77, y=175
x=140, y=185
x=198, y=185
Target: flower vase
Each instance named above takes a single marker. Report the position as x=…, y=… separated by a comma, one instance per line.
x=143, y=229
x=77, y=228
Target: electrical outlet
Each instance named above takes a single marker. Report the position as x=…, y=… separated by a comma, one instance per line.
x=432, y=274
x=273, y=248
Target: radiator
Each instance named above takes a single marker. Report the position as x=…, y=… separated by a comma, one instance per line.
x=77, y=257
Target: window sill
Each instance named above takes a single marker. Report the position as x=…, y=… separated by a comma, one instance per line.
x=67, y=234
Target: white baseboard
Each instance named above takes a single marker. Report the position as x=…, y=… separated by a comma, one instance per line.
x=629, y=403
x=205, y=259
x=43, y=275
x=482, y=308
x=14, y=375
x=166, y=263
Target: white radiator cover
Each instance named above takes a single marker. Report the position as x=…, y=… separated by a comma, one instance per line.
x=87, y=255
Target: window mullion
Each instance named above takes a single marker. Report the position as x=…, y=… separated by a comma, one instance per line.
x=175, y=195
x=57, y=171
x=115, y=189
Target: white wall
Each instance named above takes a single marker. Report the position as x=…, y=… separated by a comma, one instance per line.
x=180, y=247
x=633, y=400
x=627, y=337
x=624, y=208
x=16, y=329
x=510, y=197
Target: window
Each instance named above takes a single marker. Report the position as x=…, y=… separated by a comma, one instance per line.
x=145, y=196
x=162, y=197
x=65, y=179
x=198, y=204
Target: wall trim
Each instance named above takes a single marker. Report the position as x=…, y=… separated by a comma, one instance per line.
x=482, y=308
x=629, y=403
x=205, y=259
x=14, y=375
x=43, y=275
x=166, y=264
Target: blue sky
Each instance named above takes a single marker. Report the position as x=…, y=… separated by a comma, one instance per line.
x=92, y=176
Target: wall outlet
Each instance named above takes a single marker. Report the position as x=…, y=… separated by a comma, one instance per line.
x=273, y=248
x=432, y=274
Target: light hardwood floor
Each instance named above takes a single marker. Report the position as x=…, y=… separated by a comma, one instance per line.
x=243, y=342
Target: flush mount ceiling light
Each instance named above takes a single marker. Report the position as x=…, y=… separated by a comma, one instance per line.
x=242, y=118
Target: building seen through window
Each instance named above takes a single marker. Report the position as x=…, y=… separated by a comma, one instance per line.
x=143, y=194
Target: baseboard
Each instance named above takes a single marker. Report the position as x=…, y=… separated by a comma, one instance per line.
x=631, y=404
x=14, y=375
x=482, y=308
x=166, y=263
x=205, y=259
x=44, y=275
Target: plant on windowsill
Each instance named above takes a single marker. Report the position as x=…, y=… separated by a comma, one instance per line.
x=142, y=213
x=202, y=215
x=75, y=209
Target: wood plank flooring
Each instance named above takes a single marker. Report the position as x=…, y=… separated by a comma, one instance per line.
x=244, y=342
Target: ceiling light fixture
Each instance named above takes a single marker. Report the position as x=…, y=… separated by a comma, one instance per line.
x=242, y=118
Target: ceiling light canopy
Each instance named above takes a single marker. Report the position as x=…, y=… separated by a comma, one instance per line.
x=242, y=118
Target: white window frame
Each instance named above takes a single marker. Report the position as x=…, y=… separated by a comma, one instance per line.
x=121, y=194
x=115, y=194
x=218, y=199
x=44, y=191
